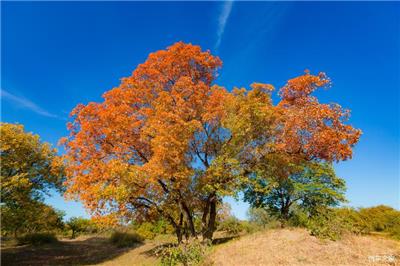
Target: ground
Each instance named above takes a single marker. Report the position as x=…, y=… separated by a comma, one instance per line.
x=298, y=247
x=273, y=247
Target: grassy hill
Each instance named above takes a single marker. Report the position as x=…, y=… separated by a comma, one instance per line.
x=297, y=247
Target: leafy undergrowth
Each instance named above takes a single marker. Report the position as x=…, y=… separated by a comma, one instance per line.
x=37, y=239
x=124, y=239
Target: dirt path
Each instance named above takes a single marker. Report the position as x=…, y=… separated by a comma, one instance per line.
x=89, y=251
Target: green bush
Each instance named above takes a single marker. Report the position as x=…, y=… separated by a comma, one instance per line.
x=333, y=223
x=146, y=230
x=123, y=239
x=191, y=253
x=162, y=227
x=37, y=239
x=231, y=225
x=326, y=225
x=250, y=227
x=395, y=231
x=299, y=218
x=381, y=218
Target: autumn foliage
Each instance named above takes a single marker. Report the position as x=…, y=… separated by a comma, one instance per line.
x=168, y=142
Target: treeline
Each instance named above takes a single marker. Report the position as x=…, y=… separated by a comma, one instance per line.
x=333, y=223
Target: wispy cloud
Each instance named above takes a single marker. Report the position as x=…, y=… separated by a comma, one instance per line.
x=25, y=103
x=222, y=20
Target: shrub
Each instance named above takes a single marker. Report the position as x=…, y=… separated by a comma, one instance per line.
x=395, y=231
x=250, y=227
x=381, y=218
x=123, y=239
x=299, y=218
x=191, y=253
x=146, y=230
x=162, y=227
x=325, y=227
x=231, y=225
x=37, y=239
x=333, y=223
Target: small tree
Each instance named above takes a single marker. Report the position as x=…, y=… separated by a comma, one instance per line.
x=78, y=225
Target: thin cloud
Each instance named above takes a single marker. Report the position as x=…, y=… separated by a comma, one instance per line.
x=25, y=103
x=222, y=20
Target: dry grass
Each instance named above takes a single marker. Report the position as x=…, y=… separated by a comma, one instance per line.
x=273, y=247
x=84, y=250
x=297, y=247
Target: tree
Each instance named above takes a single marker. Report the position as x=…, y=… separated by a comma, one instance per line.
x=30, y=217
x=295, y=165
x=78, y=225
x=313, y=187
x=168, y=143
x=147, y=150
x=29, y=169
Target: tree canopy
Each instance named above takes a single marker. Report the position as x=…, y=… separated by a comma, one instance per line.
x=28, y=167
x=29, y=170
x=313, y=187
x=168, y=142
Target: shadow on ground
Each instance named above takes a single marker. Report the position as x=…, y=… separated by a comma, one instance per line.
x=77, y=252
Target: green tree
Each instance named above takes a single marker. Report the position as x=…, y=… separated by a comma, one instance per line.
x=29, y=167
x=314, y=186
x=78, y=225
x=29, y=170
x=30, y=217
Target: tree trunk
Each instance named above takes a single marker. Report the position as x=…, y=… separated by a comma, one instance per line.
x=189, y=219
x=284, y=214
x=204, y=218
x=211, y=221
x=178, y=229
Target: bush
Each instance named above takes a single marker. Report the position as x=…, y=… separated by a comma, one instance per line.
x=381, y=218
x=333, y=223
x=326, y=225
x=231, y=225
x=395, y=231
x=299, y=218
x=122, y=239
x=146, y=230
x=37, y=239
x=162, y=227
x=191, y=253
x=250, y=227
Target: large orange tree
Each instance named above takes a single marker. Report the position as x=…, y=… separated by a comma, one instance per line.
x=145, y=150
x=167, y=142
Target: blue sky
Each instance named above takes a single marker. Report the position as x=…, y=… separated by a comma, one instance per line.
x=58, y=54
